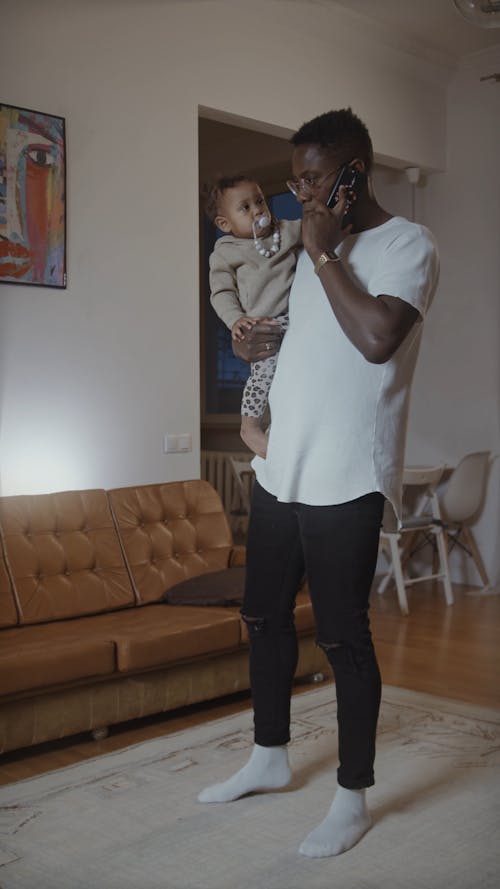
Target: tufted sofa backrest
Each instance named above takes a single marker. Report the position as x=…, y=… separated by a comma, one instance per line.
x=63, y=555
x=170, y=532
x=8, y=609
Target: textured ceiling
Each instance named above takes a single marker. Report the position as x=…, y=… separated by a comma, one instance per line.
x=432, y=25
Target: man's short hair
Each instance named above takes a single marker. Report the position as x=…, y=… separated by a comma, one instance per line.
x=340, y=132
x=212, y=192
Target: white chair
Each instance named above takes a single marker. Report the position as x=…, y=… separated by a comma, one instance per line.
x=400, y=543
x=461, y=502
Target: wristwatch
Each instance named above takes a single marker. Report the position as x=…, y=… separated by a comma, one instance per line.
x=323, y=258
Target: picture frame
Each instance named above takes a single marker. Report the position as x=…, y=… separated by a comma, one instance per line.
x=32, y=197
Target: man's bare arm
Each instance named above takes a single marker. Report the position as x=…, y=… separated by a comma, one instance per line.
x=376, y=327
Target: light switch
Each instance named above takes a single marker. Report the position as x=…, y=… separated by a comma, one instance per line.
x=178, y=443
x=185, y=442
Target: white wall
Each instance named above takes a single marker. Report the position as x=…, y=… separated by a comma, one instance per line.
x=455, y=405
x=95, y=375
x=456, y=399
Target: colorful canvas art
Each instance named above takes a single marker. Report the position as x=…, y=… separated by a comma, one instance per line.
x=32, y=198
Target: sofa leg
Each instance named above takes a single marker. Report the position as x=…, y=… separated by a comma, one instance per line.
x=99, y=734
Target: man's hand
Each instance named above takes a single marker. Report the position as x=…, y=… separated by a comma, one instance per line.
x=260, y=341
x=241, y=326
x=322, y=226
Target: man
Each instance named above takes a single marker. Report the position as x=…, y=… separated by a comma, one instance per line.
x=339, y=406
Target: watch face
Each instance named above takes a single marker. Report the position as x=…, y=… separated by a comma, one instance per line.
x=323, y=258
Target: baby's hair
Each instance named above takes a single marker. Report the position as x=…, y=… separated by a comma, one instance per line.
x=212, y=192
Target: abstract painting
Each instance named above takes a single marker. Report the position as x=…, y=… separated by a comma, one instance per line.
x=32, y=198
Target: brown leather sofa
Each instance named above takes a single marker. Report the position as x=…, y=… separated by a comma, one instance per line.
x=84, y=641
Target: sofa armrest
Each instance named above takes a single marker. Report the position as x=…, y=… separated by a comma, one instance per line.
x=237, y=556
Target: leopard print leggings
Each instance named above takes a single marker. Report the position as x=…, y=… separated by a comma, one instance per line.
x=256, y=391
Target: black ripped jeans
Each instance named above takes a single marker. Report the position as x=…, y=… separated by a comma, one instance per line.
x=336, y=547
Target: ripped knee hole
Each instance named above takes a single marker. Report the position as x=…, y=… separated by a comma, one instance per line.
x=259, y=625
x=327, y=646
x=255, y=624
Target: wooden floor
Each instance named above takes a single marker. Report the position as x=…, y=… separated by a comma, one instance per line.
x=449, y=651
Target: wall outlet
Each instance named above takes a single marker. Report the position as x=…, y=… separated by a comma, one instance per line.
x=178, y=443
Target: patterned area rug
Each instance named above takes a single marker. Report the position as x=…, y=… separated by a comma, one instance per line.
x=130, y=820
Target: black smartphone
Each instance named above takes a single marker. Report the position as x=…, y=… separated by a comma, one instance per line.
x=354, y=181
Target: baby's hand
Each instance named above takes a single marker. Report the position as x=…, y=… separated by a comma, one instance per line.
x=240, y=326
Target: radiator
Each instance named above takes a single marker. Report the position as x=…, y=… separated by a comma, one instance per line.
x=216, y=469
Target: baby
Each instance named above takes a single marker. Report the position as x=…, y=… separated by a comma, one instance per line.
x=251, y=272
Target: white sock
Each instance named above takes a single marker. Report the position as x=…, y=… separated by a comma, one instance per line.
x=267, y=769
x=345, y=824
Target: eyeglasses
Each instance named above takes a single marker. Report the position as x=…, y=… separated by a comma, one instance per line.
x=307, y=186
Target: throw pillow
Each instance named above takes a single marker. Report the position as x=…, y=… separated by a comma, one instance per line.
x=217, y=588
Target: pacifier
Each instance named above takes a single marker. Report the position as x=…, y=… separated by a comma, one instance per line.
x=260, y=223
x=263, y=221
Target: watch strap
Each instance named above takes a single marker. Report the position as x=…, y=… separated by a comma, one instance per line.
x=322, y=259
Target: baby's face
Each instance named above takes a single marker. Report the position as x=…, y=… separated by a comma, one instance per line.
x=240, y=207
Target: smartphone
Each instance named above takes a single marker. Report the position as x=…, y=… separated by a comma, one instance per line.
x=354, y=181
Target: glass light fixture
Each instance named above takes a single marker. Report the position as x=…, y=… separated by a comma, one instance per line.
x=483, y=13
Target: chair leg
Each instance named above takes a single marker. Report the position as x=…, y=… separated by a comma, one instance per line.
x=443, y=565
x=406, y=550
x=435, y=559
x=384, y=583
x=398, y=574
x=476, y=555
x=387, y=577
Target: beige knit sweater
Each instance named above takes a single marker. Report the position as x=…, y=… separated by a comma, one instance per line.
x=243, y=282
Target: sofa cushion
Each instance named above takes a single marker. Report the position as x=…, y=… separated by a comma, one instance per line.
x=8, y=610
x=160, y=634
x=64, y=555
x=166, y=634
x=222, y=588
x=129, y=640
x=45, y=661
x=170, y=532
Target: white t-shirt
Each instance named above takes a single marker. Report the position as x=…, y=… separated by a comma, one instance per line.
x=338, y=424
